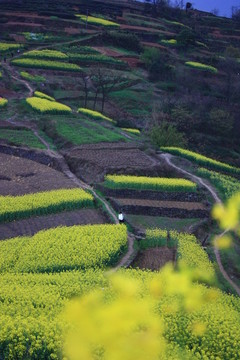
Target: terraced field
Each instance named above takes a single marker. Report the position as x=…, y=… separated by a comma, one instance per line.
x=81, y=139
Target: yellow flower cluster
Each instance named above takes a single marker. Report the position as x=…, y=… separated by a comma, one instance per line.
x=45, y=64
x=46, y=53
x=192, y=255
x=94, y=114
x=64, y=248
x=4, y=47
x=1, y=75
x=226, y=185
x=17, y=207
x=200, y=66
x=44, y=105
x=201, y=159
x=30, y=308
x=148, y=183
x=43, y=96
x=154, y=238
x=3, y=102
x=29, y=77
x=229, y=215
x=132, y=131
x=97, y=21
x=169, y=42
x=189, y=320
x=97, y=58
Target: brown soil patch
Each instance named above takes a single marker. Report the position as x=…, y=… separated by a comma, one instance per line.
x=26, y=176
x=13, y=23
x=72, y=31
x=29, y=227
x=132, y=61
x=155, y=45
x=106, y=51
x=146, y=29
x=154, y=259
x=162, y=204
x=91, y=164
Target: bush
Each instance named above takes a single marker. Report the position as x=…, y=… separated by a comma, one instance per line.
x=166, y=135
x=127, y=41
x=156, y=63
x=3, y=102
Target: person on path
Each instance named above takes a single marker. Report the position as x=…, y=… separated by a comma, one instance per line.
x=121, y=217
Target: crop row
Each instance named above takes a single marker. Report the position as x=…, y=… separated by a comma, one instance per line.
x=94, y=115
x=45, y=64
x=3, y=102
x=97, y=21
x=148, y=183
x=43, y=96
x=98, y=58
x=132, y=131
x=45, y=106
x=18, y=207
x=202, y=160
x=48, y=54
x=225, y=184
x=34, y=78
x=4, y=47
x=192, y=255
x=64, y=248
x=154, y=238
x=200, y=66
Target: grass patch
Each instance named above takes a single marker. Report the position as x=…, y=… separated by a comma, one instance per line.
x=78, y=132
x=21, y=137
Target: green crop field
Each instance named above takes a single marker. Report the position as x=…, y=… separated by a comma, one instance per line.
x=21, y=137
x=81, y=131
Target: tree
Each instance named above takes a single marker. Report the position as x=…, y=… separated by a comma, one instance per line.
x=86, y=80
x=104, y=82
x=166, y=134
x=188, y=6
x=186, y=38
x=156, y=63
x=220, y=122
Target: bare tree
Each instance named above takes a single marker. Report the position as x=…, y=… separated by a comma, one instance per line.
x=86, y=87
x=104, y=82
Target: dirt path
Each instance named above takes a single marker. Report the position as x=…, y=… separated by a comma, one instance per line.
x=15, y=76
x=211, y=190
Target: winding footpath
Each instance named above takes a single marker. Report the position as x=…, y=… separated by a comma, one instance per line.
x=167, y=158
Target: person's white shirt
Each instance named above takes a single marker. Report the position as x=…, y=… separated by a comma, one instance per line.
x=120, y=216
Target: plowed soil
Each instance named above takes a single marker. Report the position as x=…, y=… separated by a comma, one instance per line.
x=154, y=259
x=20, y=176
x=29, y=227
x=162, y=204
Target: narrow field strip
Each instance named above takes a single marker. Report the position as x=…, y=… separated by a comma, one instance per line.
x=65, y=248
x=201, y=159
x=147, y=183
x=19, y=207
x=30, y=226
